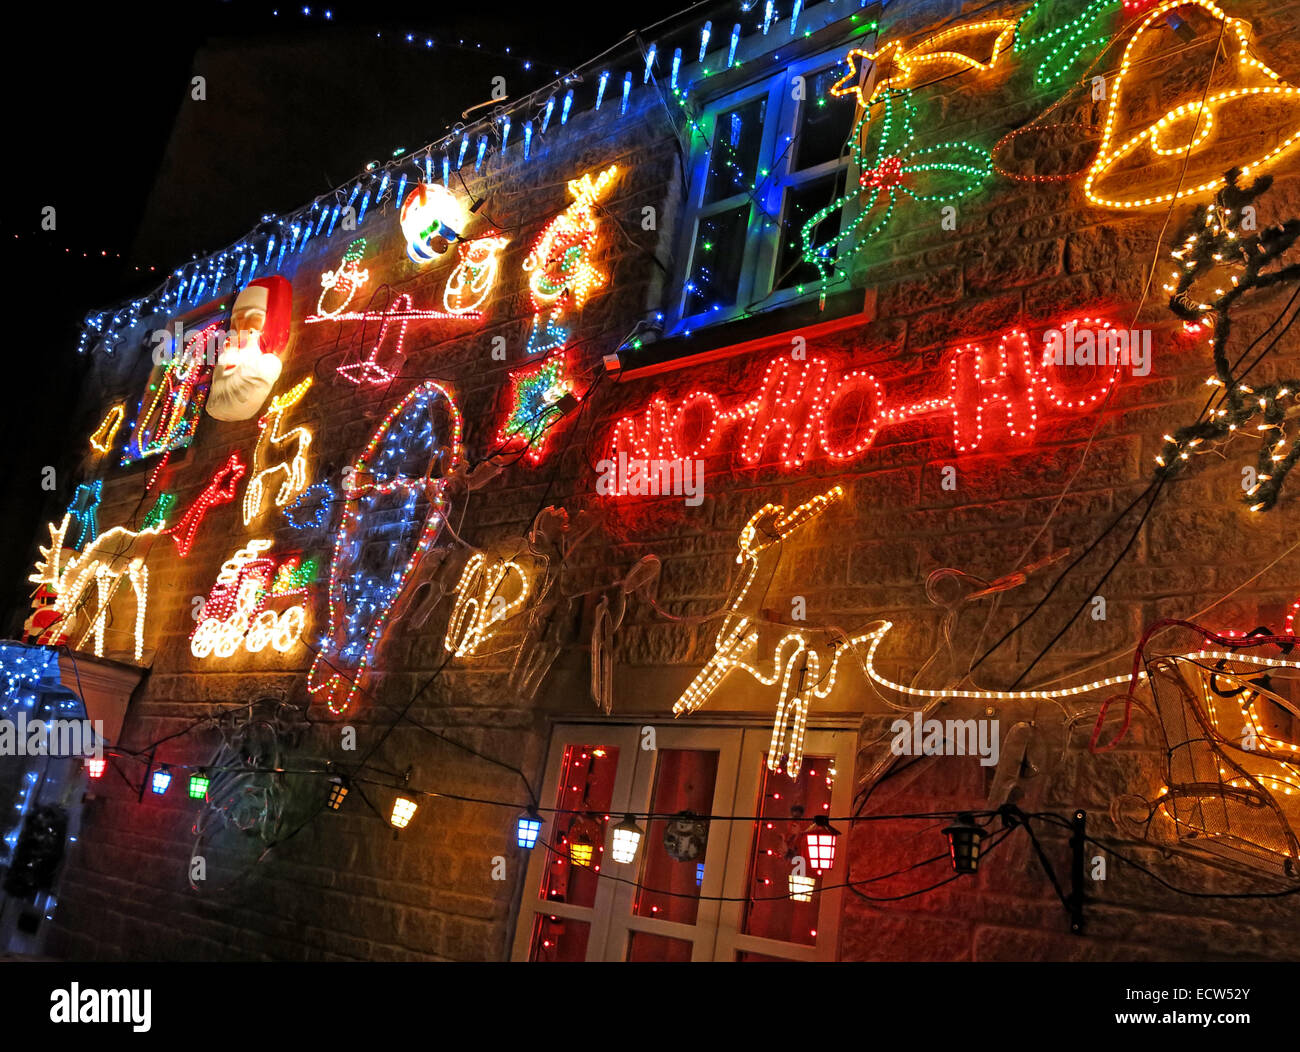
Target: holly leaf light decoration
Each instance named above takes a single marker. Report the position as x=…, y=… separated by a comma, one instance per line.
x=896, y=169
x=1067, y=45
x=1216, y=237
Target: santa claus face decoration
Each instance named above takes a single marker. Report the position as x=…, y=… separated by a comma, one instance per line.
x=433, y=219
x=249, y=364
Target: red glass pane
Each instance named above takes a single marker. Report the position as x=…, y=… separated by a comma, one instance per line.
x=559, y=939
x=642, y=946
x=670, y=879
x=582, y=802
x=786, y=808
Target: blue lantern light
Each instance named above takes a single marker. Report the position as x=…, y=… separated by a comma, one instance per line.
x=528, y=828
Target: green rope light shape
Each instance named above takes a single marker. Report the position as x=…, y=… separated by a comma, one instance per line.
x=894, y=169
x=1078, y=39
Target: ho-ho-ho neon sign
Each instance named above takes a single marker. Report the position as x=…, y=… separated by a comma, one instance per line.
x=812, y=407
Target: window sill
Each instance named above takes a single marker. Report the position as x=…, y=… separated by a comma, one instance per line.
x=727, y=339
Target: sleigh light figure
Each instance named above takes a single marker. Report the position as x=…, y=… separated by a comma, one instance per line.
x=1233, y=769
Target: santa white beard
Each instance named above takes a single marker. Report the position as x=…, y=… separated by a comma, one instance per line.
x=238, y=393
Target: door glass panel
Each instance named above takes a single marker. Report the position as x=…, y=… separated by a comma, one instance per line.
x=643, y=946
x=559, y=939
x=672, y=867
x=582, y=812
x=786, y=808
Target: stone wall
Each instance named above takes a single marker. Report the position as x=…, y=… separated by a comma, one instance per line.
x=1030, y=254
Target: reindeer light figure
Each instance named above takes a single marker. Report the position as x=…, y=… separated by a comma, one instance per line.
x=290, y=467
x=796, y=663
x=113, y=555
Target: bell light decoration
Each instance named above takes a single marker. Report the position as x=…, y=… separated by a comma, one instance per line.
x=627, y=838
x=528, y=828
x=964, y=844
x=162, y=778
x=404, y=809
x=433, y=218
x=820, y=837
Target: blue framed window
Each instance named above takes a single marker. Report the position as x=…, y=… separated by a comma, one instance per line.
x=766, y=158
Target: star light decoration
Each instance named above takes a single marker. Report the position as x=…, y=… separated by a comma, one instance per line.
x=897, y=67
x=219, y=490
x=535, y=392
x=894, y=169
x=1213, y=239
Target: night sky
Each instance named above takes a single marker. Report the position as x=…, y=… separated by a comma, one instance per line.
x=102, y=127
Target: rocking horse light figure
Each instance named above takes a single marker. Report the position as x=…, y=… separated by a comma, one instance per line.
x=799, y=667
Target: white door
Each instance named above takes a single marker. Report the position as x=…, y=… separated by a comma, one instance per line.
x=696, y=890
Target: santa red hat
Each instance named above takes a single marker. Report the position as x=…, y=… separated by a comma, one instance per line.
x=275, y=296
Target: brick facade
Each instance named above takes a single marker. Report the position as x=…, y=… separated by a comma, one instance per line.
x=345, y=887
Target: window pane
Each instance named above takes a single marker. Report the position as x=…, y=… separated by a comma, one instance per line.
x=642, y=946
x=582, y=803
x=716, y=260
x=672, y=867
x=786, y=809
x=737, y=139
x=559, y=939
x=800, y=205
x=825, y=121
